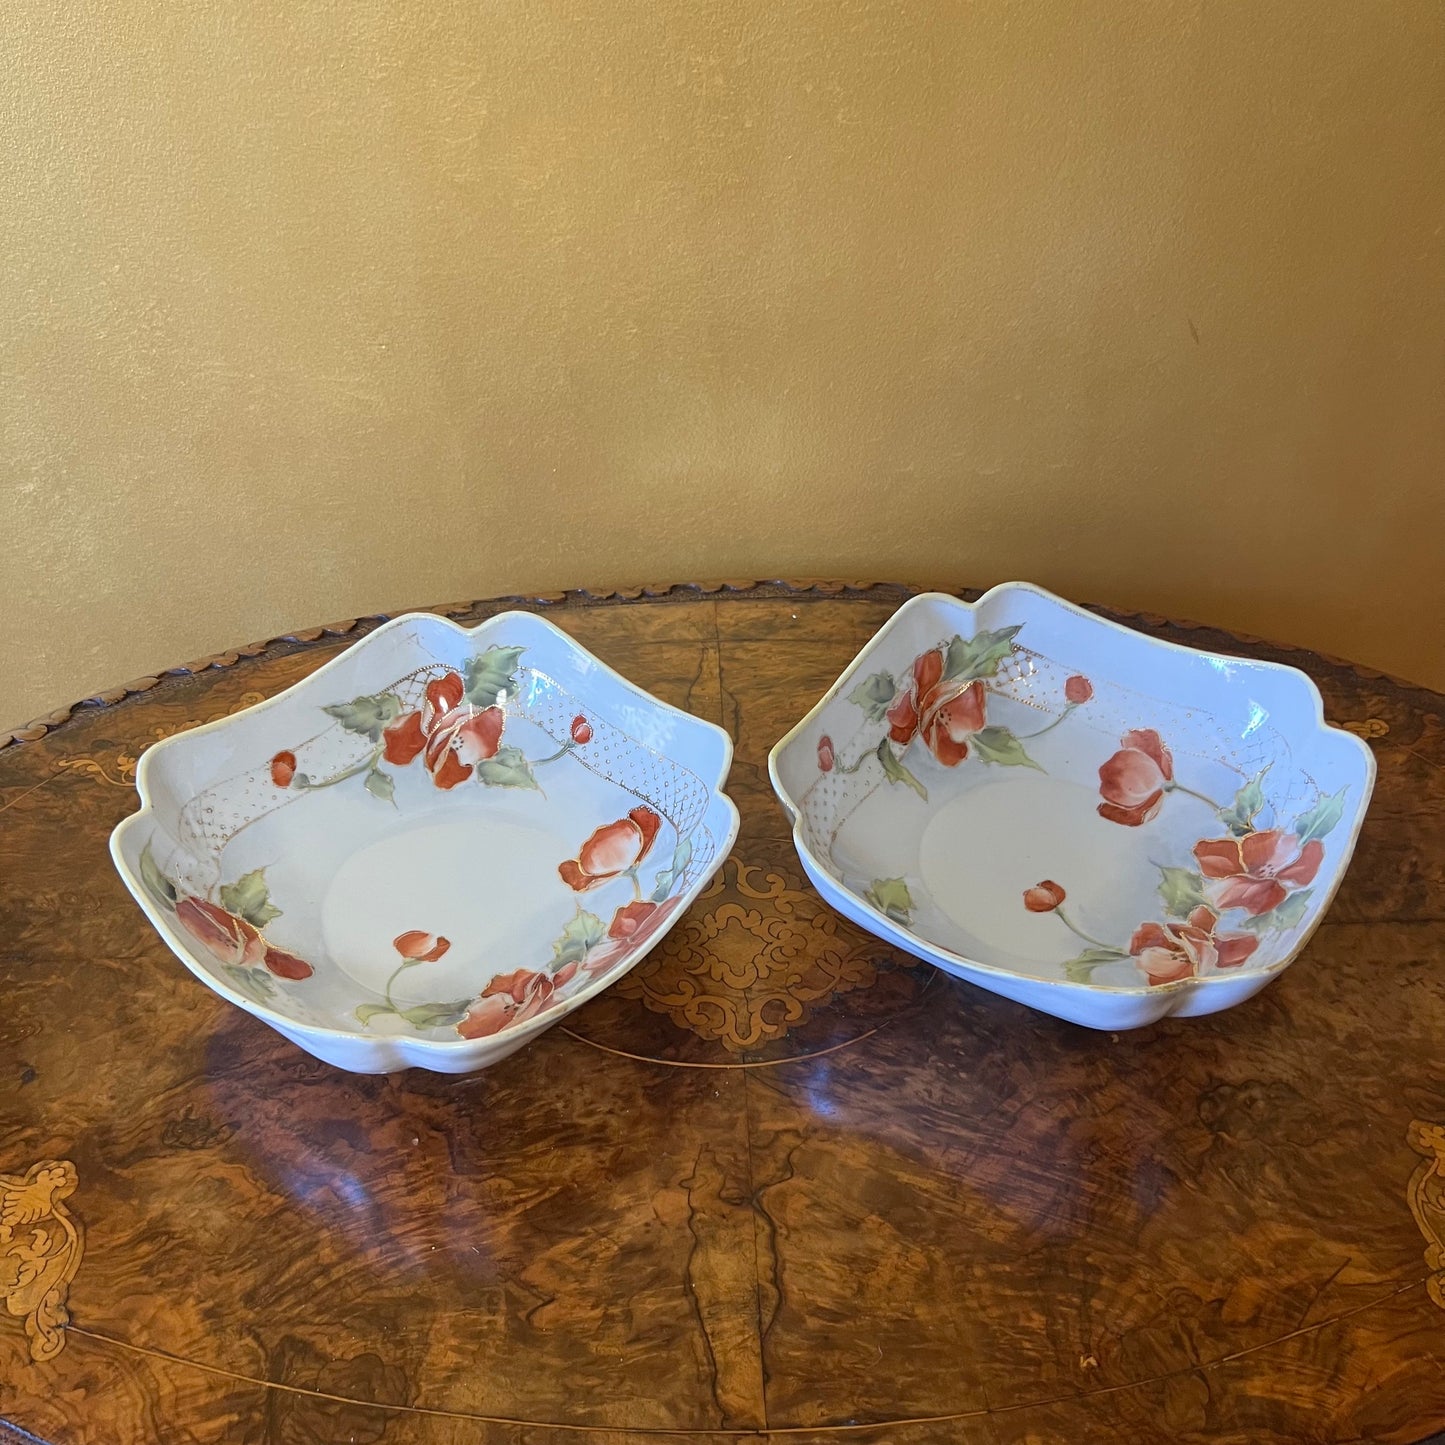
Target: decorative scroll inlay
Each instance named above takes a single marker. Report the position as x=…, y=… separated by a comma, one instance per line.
x=745, y=975
x=40, y=1249
x=1371, y=727
x=1426, y=1194
x=124, y=765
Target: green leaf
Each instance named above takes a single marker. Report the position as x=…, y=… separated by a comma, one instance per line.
x=1239, y=816
x=874, y=695
x=890, y=896
x=366, y=715
x=895, y=772
x=160, y=888
x=980, y=656
x=367, y=1011
x=509, y=769
x=663, y=884
x=584, y=932
x=253, y=982
x=490, y=675
x=1081, y=969
x=999, y=745
x=380, y=785
x=1182, y=890
x=435, y=1015
x=1320, y=819
x=248, y=898
x=1287, y=915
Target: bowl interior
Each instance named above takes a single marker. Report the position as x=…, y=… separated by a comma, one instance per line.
x=444, y=834
x=1029, y=787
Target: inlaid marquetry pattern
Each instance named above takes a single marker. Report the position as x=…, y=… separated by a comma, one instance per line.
x=1369, y=729
x=1427, y=1201
x=40, y=1249
x=119, y=770
x=751, y=959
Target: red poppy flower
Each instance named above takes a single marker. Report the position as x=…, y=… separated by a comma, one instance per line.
x=226, y=937
x=453, y=735
x=234, y=941
x=421, y=947
x=944, y=714
x=1132, y=781
x=1169, y=951
x=581, y=730
x=612, y=849
x=286, y=965
x=1043, y=897
x=826, y=757
x=1257, y=871
x=1078, y=689
x=630, y=921
x=630, y=927
x=283, y=769
x=508, y=999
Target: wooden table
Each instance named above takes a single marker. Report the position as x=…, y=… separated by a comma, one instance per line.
x=780, y=1183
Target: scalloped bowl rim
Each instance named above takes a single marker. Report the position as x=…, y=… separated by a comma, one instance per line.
x=887, y=928
x=394, y=1047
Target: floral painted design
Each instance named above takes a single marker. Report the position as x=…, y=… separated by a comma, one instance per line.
x=449, y=734
x=1258, y=871
x=417, y=946
x=943, y=702
x=1132, y=782
x=1259, y=876
x=230, y=927
x=612, y=851
x=1162, y=951
x=1043, y=897
x=456, y=734
x=944, y=712
x=587, y=948
x=1166, y=951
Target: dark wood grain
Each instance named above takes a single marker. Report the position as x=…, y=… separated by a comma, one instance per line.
x=781, y=1183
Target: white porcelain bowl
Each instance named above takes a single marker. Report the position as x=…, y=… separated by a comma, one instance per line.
x=432, y=848
x=1094, y=822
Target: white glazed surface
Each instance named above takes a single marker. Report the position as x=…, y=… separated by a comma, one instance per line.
x=944, y=876
x=361, y=854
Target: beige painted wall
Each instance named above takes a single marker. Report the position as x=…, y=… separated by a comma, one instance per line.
x=312, y=308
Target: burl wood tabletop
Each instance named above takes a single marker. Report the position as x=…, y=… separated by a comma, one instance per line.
x=780, y=1183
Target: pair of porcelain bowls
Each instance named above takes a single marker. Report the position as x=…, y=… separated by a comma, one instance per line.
x=445, y=840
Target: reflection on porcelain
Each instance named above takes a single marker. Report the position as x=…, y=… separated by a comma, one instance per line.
x=1096, y=823
x=432, y=848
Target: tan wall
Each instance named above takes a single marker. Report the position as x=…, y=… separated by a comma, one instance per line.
x=312, y=308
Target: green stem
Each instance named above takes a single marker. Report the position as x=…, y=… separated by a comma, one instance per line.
x=1180, y=788
x=365, y=766
x=636, y=886
x=869, y=753
x=1087, y=937
x=1025, y=737
x=552, y=757
x=389, y=1003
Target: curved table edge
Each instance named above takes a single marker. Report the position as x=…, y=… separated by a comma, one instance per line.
x=866, y=590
